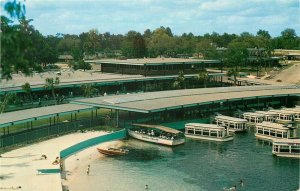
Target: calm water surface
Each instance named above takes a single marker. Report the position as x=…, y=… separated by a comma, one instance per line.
x=196, y=166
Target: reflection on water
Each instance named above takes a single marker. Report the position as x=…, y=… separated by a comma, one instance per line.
x=196, y=166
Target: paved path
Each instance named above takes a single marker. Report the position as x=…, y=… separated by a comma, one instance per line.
x=289, y=75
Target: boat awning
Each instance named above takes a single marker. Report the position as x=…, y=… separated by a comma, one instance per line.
x=160, y=127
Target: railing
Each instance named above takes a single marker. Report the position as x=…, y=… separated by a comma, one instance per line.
x=37, y=133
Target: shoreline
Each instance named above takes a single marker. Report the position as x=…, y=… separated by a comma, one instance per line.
x=19, y=167
x=76, y=165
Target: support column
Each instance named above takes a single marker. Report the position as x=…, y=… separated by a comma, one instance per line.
x=117, y=118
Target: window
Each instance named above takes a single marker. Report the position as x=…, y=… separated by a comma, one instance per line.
x=284, y=149
x=205, y=132
x=198, y=132
x=213, y=133
x=295, y=149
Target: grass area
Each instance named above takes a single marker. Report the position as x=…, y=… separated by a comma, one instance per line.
x=103, y=128
x=46, y=121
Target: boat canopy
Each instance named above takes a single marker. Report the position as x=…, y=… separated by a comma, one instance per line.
x=204, y=126
x=231, y=119
x=160, y=127
x=272, y=125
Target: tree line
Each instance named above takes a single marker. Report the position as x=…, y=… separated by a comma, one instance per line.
x=24, y=48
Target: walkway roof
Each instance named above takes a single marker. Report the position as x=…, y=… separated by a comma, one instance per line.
x=37, y=83
x=167, y=100
x=22, y=116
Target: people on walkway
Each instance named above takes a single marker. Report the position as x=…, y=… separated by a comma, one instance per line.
x=88, y=170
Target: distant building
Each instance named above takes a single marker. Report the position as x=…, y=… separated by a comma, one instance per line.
x=154, y=66
x=287, y=54
x=65, y=58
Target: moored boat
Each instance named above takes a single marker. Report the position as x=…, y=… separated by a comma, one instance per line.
x=157, y=134
x=112, y=151
x=269, y=131
x=209, y=132
x=286, y=148
x=232, y=123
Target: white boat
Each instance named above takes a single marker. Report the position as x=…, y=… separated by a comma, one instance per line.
x=253, y=117
x=209, y=132
x=234, y=124
x=286, y=148
x=269, y=116
x=285, y=116
x=269, y=131
x=157, y=134
x=295, y=111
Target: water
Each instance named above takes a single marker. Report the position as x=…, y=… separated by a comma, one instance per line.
x=196, y=166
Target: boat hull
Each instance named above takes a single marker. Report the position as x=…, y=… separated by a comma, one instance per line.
x=111, y=153
x=288, y=155
x=156, y=140
x=264, y=137
x=237, y=130
x=227, y=138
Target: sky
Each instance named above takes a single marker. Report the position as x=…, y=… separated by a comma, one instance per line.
x=197, y=16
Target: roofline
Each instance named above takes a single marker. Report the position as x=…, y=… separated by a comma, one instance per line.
x=38, y=87
x=43, y=117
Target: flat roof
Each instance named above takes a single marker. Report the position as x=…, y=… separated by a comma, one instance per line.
x=253, y=114
x=70, y=78
x=160, y=127
x=204, y=126
x=287, y=141
x=165, y=100
x=152, y=61
x=16, y=117
x=272, y=125
x=273, y=112
x=234, y=119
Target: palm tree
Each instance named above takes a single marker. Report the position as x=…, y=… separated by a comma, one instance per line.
x=203, y=77
x=52, y=84
x=27, y=89
x=88, y=90
x=179, y=83
x=234, y=71
x=4, y=103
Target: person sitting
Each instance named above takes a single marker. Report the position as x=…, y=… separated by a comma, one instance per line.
x=56, y=161
x=43, y=157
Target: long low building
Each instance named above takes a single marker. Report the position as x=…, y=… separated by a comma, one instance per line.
x=70, y=79
x=154, y=66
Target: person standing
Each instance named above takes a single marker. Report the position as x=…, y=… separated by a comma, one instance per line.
x=88, y=170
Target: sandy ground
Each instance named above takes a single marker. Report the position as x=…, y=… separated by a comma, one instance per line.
x=289, y=75
x=19, y=167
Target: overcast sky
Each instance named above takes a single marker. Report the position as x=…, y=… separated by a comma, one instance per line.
x=196, y=16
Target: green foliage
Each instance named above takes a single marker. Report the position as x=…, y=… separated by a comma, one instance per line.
x=179, y=83
x=161, y=44
x=15, y=9
x=88, y=90
x=81, y=64
x=236, y=54
x=51, y=84
x=134, y=45
x=203, y=77
x=207, y=49
x=27, y=89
